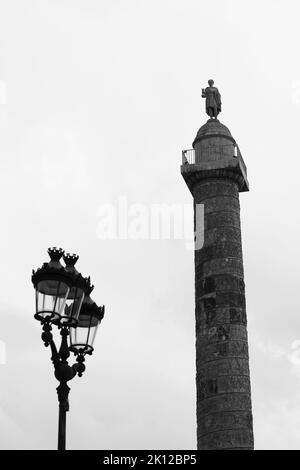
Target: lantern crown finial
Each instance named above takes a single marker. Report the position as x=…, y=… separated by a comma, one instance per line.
x=70, y=259
x=55, y=253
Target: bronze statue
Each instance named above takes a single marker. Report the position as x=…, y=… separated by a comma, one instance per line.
x=213, y=100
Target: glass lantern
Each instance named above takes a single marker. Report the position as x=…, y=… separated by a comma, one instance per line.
x=76, y=294
x=52, y=286
x=82, y=336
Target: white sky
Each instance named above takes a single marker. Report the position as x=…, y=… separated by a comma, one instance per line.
x=101, y=97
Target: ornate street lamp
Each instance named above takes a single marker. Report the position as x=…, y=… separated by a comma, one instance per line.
x=63, y=299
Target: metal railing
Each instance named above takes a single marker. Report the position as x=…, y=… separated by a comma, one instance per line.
x=191, y=156
x=188, y=156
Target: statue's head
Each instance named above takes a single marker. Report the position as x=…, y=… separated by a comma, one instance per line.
x=210, y=82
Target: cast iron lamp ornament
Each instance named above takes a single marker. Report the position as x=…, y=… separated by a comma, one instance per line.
x=63, y=299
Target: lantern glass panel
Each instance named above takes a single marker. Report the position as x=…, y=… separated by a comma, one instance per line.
x=73, y=305
x=51, y=298
x=83, y=336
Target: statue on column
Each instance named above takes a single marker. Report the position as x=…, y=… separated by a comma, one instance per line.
x=213, y=100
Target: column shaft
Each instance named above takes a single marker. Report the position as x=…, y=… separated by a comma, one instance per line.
x=224, y=416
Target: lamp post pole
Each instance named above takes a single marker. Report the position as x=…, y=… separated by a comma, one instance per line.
x=63, y=391
x=63, y=299
x=63, y=408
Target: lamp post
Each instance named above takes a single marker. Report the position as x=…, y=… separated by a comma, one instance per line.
x=63, y=300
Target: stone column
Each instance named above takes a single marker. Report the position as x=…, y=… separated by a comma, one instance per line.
x=224, y=416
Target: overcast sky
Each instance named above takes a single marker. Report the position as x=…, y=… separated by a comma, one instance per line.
x=98, y=98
